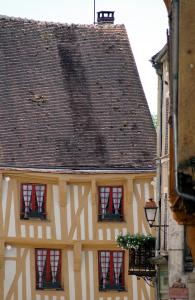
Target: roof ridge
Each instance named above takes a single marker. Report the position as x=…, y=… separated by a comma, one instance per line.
x=46, y=23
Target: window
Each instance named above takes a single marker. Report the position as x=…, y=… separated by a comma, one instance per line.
x=110, y=203
x=48, y=268
x=33, y=201
x=111, y=270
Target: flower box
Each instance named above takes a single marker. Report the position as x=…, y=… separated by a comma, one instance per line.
x=141, y=249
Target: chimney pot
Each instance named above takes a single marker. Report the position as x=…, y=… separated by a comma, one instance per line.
x=105, y=17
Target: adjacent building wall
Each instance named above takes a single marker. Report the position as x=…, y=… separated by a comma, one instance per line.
x=171, y=247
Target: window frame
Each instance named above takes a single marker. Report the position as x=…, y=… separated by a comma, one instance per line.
x=33, y=214
x=111, y=217
x=47, y=275
x=111, y=286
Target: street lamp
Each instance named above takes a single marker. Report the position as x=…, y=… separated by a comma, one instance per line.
x=150, y=212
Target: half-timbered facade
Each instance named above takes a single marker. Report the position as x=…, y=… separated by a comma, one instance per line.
x=77, y=161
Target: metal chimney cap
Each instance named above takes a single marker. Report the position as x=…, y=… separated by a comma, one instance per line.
x=105, y=17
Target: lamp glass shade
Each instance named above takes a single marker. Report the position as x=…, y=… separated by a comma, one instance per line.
x=150, y=214
x=150, y=211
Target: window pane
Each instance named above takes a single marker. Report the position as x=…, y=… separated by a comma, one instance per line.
x=111, y=270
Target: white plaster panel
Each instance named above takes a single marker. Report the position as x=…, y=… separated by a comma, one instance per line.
x=57, y=212
x=91, y=275
x=31, y=231
x=20, y=295
x=71, y=275
x=143, y=298
x=146, y=191
x=38, y=297
x=48, y=232
x=83, y=276
x=82, y=222
x=12, y=223
x=10, y=253
x=143, y=229
x=108, y=234
x=154, y=184
x=68, y=209
x=28, y=277
x=10, y=272
x=138, y=189
x=90, y=217
x=40, y=232
x=116, y=233
x=75, y=235
x=76, y=198
x=100, y=234
x=135, y=216
x=23, y=231
x=124, y=230
x=134, y=282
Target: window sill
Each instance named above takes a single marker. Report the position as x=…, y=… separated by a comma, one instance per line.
x=112, y=221
x=50, y=291
x=110, y=218
x=112, y=287
x=113, y=291
x=50, y=287
x=34, y=215
x=34, y=221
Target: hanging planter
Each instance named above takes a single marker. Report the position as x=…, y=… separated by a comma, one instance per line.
x=134, y=241
x=141, y=249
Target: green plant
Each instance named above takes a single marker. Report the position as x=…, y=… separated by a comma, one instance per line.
x=155, y=120
x=133, y=241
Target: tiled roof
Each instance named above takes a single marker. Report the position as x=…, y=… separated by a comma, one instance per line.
x=70, y=96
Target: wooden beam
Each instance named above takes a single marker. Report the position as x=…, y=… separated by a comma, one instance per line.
x=129, y=191
x=2, y=268
x=62, y=190
x=2, y=254
x=77, y=256
x=93, y=191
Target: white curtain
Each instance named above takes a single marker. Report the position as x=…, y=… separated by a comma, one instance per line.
x=41, y=258
x=104, y=196
x=40, y=190
x=117, y=260
x=104, y=265
x=27, y=192
x=116, y=196
x=54, y=262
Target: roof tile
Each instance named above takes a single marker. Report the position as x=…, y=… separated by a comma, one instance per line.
x=70, y=96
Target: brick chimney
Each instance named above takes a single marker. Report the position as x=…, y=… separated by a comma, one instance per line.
x=105, y=17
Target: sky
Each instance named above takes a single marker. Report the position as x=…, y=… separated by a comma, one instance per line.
x=145, y=20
